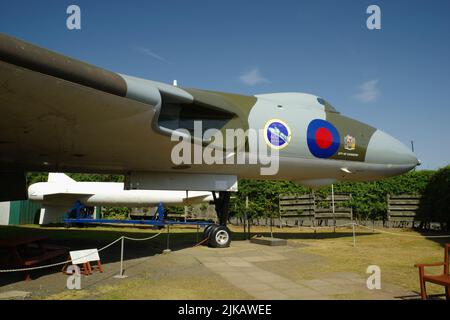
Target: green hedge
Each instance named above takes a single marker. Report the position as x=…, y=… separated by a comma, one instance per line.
x=435, y=204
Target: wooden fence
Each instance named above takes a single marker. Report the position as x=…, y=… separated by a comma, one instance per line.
x=403, y=209
x=312, y=210
x=296, y=208
x=342, y=209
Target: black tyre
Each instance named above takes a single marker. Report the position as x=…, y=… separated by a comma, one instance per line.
x=219, y=237
x=207, y=231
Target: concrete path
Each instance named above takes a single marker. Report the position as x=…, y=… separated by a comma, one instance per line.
x=245, y=266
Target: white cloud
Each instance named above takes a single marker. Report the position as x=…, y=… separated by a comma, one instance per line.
x=150, y=53
x=368, y=91
x=253, y=77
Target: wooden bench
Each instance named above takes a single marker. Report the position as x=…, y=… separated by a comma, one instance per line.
x=47, y=256
x=440, y=279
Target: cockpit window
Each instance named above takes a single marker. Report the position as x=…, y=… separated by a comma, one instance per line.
x=327, y=105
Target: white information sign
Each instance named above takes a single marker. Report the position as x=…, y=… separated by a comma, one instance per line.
x=83, y=256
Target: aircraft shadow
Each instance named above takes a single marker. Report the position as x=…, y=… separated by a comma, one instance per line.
x=87, y=238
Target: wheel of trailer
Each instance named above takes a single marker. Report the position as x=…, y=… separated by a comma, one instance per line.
x=207, y=231
x=219, y=237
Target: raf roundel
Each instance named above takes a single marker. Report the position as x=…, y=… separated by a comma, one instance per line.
x=277, y=134
x=323, y=138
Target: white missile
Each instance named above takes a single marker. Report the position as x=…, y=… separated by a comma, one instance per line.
x=60, y=193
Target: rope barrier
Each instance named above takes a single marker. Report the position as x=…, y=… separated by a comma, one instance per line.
x=201, y=242
x=142, y=239
x=318, y=227
x=330, y=227
x=34, y=268
x=373, y=229
x=403, y=235
x=68, y=261
x=107, y=246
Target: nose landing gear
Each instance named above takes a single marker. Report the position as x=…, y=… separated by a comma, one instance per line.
x=219, y=236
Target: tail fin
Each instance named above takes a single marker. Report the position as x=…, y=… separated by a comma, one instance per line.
x=59, y=178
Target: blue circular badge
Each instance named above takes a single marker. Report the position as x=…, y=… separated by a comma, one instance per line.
x=277, y=134
x=323, y=138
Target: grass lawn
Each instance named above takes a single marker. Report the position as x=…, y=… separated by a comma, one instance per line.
x=179, y=286
x=394, y=253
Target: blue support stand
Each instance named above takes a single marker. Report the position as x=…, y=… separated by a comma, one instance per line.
x=158, y=220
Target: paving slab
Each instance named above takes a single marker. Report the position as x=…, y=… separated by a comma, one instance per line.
x=267, y=241
x=248, y=270
x=255, y=259
x=270, y=295
x=240, y=264
x=302, y=292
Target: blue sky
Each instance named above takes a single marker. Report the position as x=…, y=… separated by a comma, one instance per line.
x=396, y=79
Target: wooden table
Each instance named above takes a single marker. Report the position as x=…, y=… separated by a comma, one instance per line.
x=26, y=252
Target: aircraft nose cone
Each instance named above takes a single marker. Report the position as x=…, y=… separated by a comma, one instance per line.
x=385, y=149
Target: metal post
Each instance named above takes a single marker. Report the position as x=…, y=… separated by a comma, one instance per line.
x=279, y=213
x=312, y=208
x=121, y=275
x=354, y=236
x=332, y=203
x=186, y=207
x=196, y=235
x=246, y=225
x=122, y=245
x=271, y=226
x=167, y=250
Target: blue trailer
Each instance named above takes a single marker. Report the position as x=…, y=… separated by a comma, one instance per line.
x=218, y=235
x=77, y=215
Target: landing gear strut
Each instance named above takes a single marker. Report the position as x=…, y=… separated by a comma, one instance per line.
x=219, y=235
x=222, y=204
